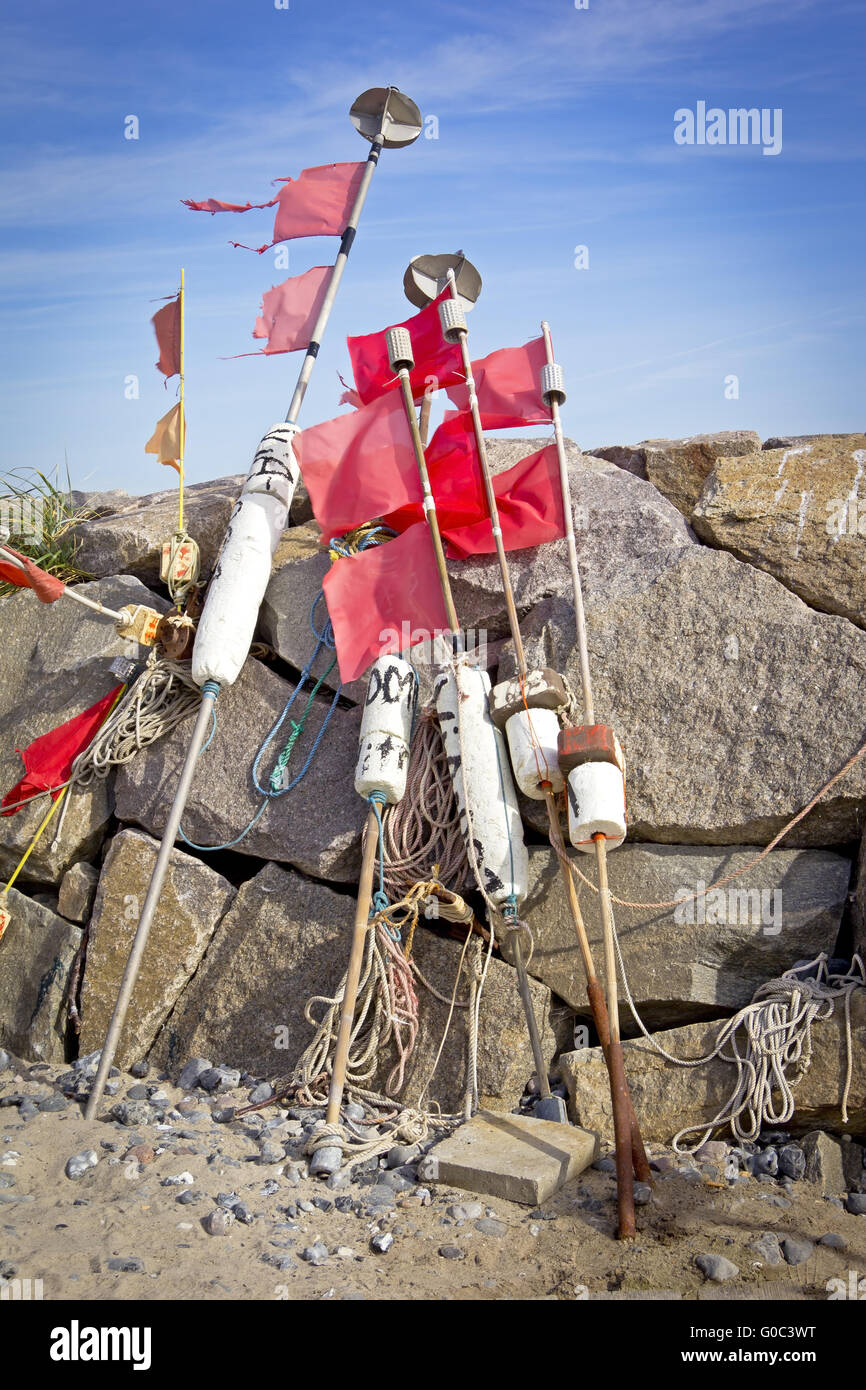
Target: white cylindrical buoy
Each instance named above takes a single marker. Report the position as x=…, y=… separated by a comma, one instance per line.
x=386, y=729
x=596, y=805
x=532, y=736
x=497, y=829
x=235, y=594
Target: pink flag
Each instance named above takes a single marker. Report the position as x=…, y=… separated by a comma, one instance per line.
x=166, y=325
x=384, y=600
x=455, y=478
x=290, y=310
x=508, y=384
x=437, y=362
x=360, y=465
x=318, y=202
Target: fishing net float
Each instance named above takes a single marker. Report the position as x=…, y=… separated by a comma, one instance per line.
x=388, y=120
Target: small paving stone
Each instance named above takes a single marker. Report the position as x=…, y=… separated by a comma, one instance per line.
x=766, y=1246
x=218, y=1222
x=178, y=1180
x=855, y=1202
x=792, y=1162
x=391, y=1178
x=765, y=1164
x=142, y=1153
x=139, y=1070
x=194, y=1068
x=642, y=1194
x=428, y=1169
x=833, y=1241
x=402, y=1153
x=452, y=1252
x=5, y=1059
x=382, y=1242
x=489, y=1227
x=263, y=1091
x=188, y=1197
x=605, y=1165
x=55, y=1101
x=796, y=1249
x=78, y=1164
x=344, y=1252
x=315, y=1254
x=127, y=1264
x=133, y=1113
x=137, y=1093
x=716, y=1268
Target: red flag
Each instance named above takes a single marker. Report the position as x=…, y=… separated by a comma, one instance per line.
x=434, y=357
x=529, y=502
x=455, y=478
x=166, y=324
x=358, y=466
x=47, y=587
x=508, y=385
x=384, y=600
x=48, y=760
x=318, y=202
x=290, y=310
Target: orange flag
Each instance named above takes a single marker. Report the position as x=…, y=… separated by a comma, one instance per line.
x=165, y=440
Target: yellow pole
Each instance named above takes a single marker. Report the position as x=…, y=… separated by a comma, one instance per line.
x=182, y=430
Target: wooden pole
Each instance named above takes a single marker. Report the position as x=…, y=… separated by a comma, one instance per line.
x=353, y=974
x=616, y=1066
x=598, y=1007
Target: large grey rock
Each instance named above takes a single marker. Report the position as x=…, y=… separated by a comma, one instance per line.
x=858, y=906
x=285, y=940
x=504, y=1054
x=316, y=827
x=825, y=1163
x=36, y=954
x=679, y=467
x=193, y=901
x=699, y=960
x=616, y=517
x=800, y=514
x=719, y=682
x=667, y=1098
x=56, y=660
x=130, y=538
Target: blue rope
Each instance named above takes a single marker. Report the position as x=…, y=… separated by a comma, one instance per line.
x=379, y=900
x=324, y=640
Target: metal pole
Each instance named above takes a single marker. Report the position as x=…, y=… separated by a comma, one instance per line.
x=210, y=690
x=579, y=613
x=151, y=901
x=338, y=268
x=12, y=559
x=353, y=974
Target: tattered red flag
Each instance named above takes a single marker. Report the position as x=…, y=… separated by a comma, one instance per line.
x=48, y=760
x=47, y=587
x=318, y=202
x=290, y=310
x=166, y=325
x=529, y=502
x=508, y=386
x=356, y=466
x=384, y=600
x=437, y=363
x=455, y=478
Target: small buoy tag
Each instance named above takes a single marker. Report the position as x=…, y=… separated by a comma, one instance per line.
x=140, y=624
x=5, y=919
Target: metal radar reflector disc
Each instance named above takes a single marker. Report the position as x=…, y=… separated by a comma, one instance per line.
x=427, y=276
x=404, y=121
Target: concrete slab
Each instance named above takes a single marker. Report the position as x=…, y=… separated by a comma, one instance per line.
x=514, y=1157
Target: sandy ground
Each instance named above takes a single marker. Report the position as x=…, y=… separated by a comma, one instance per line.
x=65, y=1231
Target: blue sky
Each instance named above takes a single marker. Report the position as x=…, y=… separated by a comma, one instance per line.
x=555, y=129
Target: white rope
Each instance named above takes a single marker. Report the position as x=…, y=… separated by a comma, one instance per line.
x=162, y=697
x=778, y=1041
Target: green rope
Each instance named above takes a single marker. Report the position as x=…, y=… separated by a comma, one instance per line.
x=297, y=727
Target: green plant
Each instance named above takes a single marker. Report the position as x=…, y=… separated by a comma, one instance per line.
x=52, y=544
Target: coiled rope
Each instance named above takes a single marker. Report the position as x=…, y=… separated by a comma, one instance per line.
x=423, y=830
